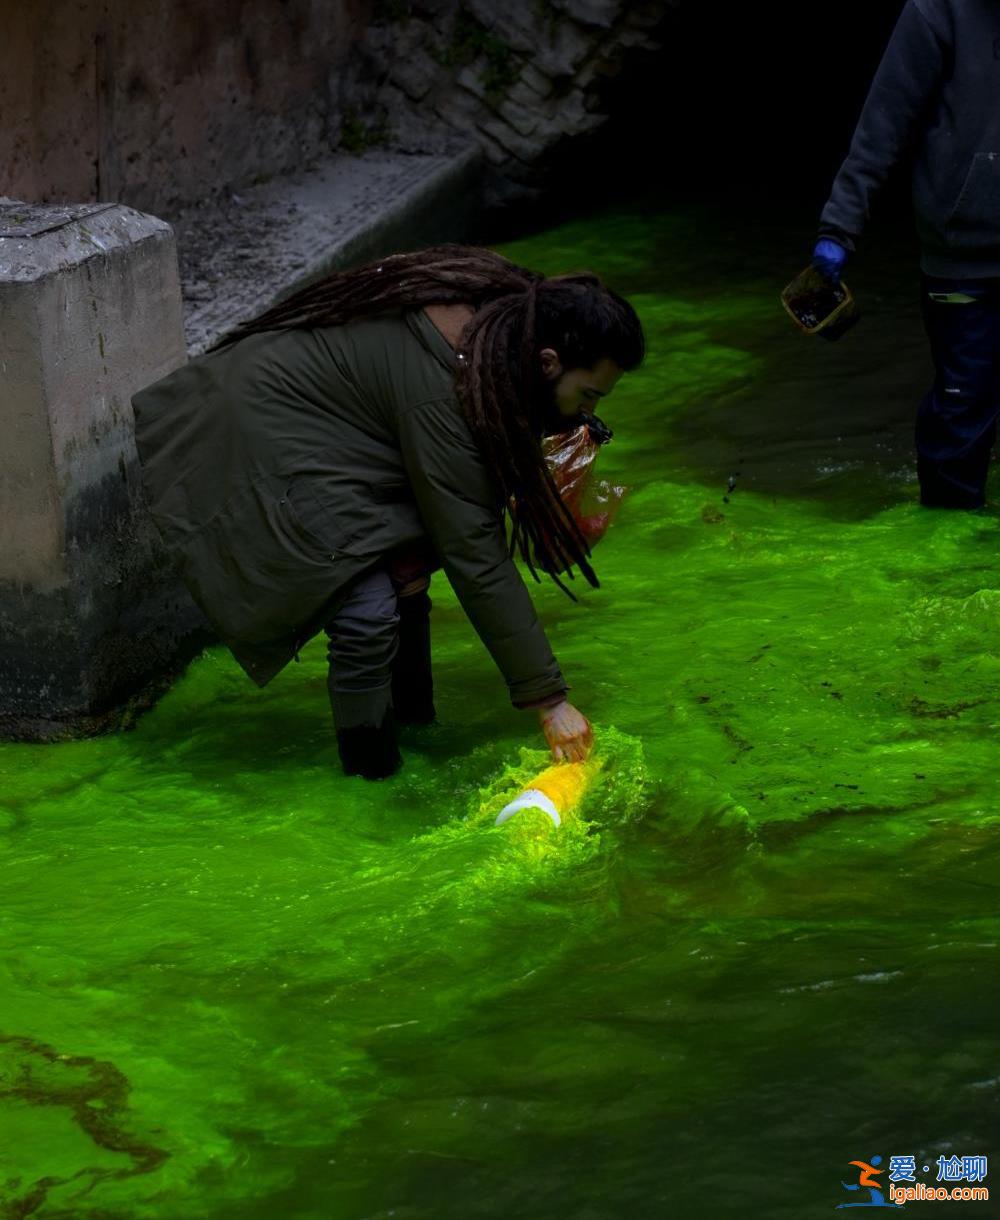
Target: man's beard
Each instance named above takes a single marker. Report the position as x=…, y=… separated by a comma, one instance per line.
x=551, y=421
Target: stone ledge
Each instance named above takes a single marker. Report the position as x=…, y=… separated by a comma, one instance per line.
x=239, y=259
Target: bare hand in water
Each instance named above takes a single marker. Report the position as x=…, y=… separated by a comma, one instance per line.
x=567, y=732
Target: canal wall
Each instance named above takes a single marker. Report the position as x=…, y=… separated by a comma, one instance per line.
x=156, y=103
x=161, y=104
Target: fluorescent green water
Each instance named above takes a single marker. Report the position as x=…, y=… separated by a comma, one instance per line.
x=236, y=984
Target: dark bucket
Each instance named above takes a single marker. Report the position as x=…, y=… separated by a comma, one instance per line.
x=817, y=308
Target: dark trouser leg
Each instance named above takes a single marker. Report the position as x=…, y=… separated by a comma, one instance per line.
x=956, y=423
x=363, y=643
x=412, y=678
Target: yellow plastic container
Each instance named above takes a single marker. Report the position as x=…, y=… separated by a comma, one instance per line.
x=817, y=308
x=557, y=791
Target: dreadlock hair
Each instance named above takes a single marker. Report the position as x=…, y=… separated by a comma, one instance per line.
x=517, y=313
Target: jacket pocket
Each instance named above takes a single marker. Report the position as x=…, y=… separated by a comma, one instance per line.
x=395, y=491
x=334, y=519
x=255, y=570
x=303, y=518
x=975, y=218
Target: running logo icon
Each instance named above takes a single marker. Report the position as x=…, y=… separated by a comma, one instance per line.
x=903, y=1186
x=868, y=1181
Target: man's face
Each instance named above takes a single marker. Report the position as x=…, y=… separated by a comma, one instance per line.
x=577, y=390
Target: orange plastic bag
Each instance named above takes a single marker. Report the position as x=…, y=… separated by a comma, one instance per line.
x=593, y=502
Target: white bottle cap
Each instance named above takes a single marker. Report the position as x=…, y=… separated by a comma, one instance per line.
x=530, y=799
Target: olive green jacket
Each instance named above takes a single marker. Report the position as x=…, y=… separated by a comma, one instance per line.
x=280, y=468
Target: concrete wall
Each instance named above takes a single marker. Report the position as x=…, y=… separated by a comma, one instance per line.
x=161, y=102
x=92, y=617
x=164, y=103
x=523, y=78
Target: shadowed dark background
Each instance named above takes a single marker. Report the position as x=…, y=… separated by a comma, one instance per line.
x=749, y=106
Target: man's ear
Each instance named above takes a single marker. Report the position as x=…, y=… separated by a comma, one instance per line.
x=551, y=366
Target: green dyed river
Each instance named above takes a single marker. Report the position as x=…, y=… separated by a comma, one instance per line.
x=235, y=984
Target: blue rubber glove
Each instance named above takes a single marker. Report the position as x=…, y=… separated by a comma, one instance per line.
x=830, y=258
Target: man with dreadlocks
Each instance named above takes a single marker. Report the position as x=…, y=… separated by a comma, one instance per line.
x=309, y=472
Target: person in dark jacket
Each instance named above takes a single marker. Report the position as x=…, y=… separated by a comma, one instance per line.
x=935, y=101
x=313, y=470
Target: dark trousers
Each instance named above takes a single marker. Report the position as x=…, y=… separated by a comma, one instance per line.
x=956, y=422
x=363, y=642
x=379, y=654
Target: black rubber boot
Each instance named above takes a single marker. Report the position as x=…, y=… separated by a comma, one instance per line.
x=370, y=751
x=412, y=678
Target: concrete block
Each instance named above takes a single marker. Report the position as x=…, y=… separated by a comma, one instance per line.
x=517, y=146
x=471, y=80
x=495, y=155
x=517, y=24
x=92, y=617
x=524, y=119
x=525, y=95
x=416, y=73
x=566, y=51
x=600, y=13
x=566, y=118
x=541, y=84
